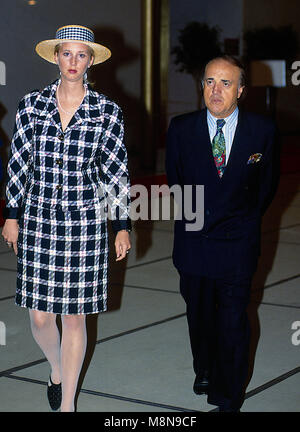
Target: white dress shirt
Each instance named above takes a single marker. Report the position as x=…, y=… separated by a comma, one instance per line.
x=228, y=129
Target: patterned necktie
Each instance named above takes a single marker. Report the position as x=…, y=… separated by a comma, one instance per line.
x=219, y=148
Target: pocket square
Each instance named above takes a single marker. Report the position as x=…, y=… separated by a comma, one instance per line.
x=256, y=157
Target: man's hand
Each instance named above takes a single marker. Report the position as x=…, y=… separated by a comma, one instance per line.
x=10, y=233
x=122, y=244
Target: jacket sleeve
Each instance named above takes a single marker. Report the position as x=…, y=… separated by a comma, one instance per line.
x=114, y=175
x=270, y=170
x=20, y=152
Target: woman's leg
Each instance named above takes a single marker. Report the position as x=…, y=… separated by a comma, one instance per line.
x=46, y=334
x=73, y=348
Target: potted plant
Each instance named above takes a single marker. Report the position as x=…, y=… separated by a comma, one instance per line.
x=198, y=43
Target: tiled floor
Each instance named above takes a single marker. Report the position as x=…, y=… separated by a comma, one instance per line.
x=138, y=356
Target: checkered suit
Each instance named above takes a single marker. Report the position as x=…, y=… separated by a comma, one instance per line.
x=61, y=186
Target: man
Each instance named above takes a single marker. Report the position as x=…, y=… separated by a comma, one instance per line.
x=233, y=154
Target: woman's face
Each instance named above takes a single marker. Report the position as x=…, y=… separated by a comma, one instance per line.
x=73, y=59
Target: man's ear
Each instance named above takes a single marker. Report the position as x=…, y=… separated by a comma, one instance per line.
x=240, y=91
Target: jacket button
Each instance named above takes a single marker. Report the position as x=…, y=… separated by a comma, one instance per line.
x=61, y=137
x=59, y=162
x=58, y=187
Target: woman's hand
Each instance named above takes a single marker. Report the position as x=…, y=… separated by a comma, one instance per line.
x=10, y=233
x=122, y=244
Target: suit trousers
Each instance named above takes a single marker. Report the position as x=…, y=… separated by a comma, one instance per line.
x=219, y=334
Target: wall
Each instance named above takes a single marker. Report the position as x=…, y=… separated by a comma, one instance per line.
x=277, y=13
x=234, y=17
x=116, y=23
x=273, y=13
x=228, y=15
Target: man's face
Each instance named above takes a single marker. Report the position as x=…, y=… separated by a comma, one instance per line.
x=221, y=88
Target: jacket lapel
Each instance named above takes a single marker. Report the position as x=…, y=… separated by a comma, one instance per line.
x=203, y=136
x=239, y=150
x=83, y=113
x=204, y=147
x=50, y=110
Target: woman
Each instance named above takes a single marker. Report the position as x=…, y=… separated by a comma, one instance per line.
x=67, y=168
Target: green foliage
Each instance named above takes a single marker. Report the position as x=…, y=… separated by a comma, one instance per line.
x=272, y=43
x=198, y=43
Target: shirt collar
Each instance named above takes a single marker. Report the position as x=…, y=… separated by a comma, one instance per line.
x=229, y=121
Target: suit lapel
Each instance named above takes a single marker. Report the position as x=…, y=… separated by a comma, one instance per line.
x=46, y=107
x=83, y=113
x=239, y=153
x=51, y=113
x=239, y=149
x=203, y=138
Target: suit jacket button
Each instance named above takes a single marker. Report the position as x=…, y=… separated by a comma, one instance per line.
x=61, y=137
x=58, y=187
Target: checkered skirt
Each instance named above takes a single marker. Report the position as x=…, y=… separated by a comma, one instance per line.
x=62, y=260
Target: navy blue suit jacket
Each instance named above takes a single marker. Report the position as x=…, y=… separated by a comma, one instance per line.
x=229, y=242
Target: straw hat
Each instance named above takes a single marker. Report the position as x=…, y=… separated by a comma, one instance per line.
x=72, y=33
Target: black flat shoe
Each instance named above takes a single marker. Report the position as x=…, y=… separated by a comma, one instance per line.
x=54, y=395
x=201, y=383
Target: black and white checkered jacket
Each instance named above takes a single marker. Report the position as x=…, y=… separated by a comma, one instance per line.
x=83, y=167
